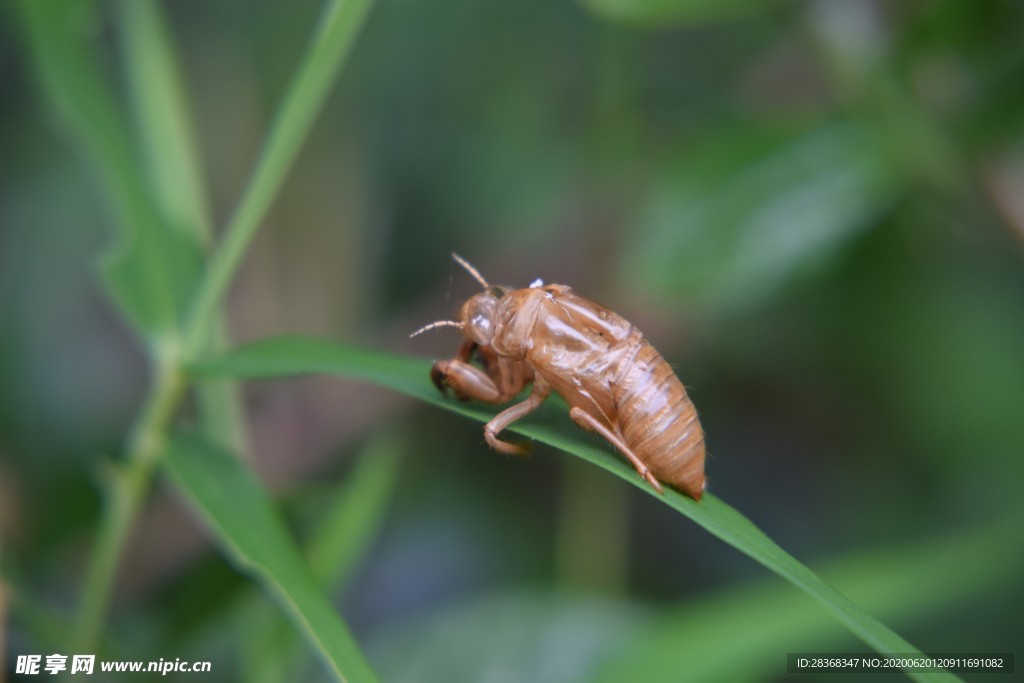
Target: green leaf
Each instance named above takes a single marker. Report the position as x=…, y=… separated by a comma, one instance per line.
x=171, y=156
x=150, y=269
x=174, y=172
x=736, y=633
x=233, y=504
x=752, y=210
x=745, y=632
x=295, y=355
x=344, y=534
x=338, y=543
x=665, y=13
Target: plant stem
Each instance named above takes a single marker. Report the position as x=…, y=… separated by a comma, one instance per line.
x=127, y=486
x=125, y=490
x=339, y=23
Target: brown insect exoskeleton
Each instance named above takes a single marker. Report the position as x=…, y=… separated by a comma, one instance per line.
x=614, y=381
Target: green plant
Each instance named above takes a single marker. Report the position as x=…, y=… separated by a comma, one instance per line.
x=155, y=272
x=168, y=274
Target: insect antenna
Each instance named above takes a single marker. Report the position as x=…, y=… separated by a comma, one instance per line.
x=435, y=325
x=471, y=270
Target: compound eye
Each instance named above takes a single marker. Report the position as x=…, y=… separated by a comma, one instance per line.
x=481, y=322
x=482, y=328
x=479, y=314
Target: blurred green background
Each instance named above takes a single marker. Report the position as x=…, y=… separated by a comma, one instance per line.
x=814, y=210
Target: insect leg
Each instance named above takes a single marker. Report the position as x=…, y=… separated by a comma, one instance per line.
x=466, y=350
x=591, y=423
x=510, y=376
x=541, y=389
x=467, y=381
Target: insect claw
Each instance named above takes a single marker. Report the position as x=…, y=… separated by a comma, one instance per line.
x=654, y=482
x=520, y=448
x=438, y=377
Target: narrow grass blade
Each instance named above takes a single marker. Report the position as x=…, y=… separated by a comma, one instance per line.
x=233, y=504
x=740, y=632
x=339, y=25
x=335, y=548
x=744, y=633
x=171, y=156
x=296, y=355
x=344, y=534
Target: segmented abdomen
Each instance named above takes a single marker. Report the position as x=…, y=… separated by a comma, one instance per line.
x=658, y=422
